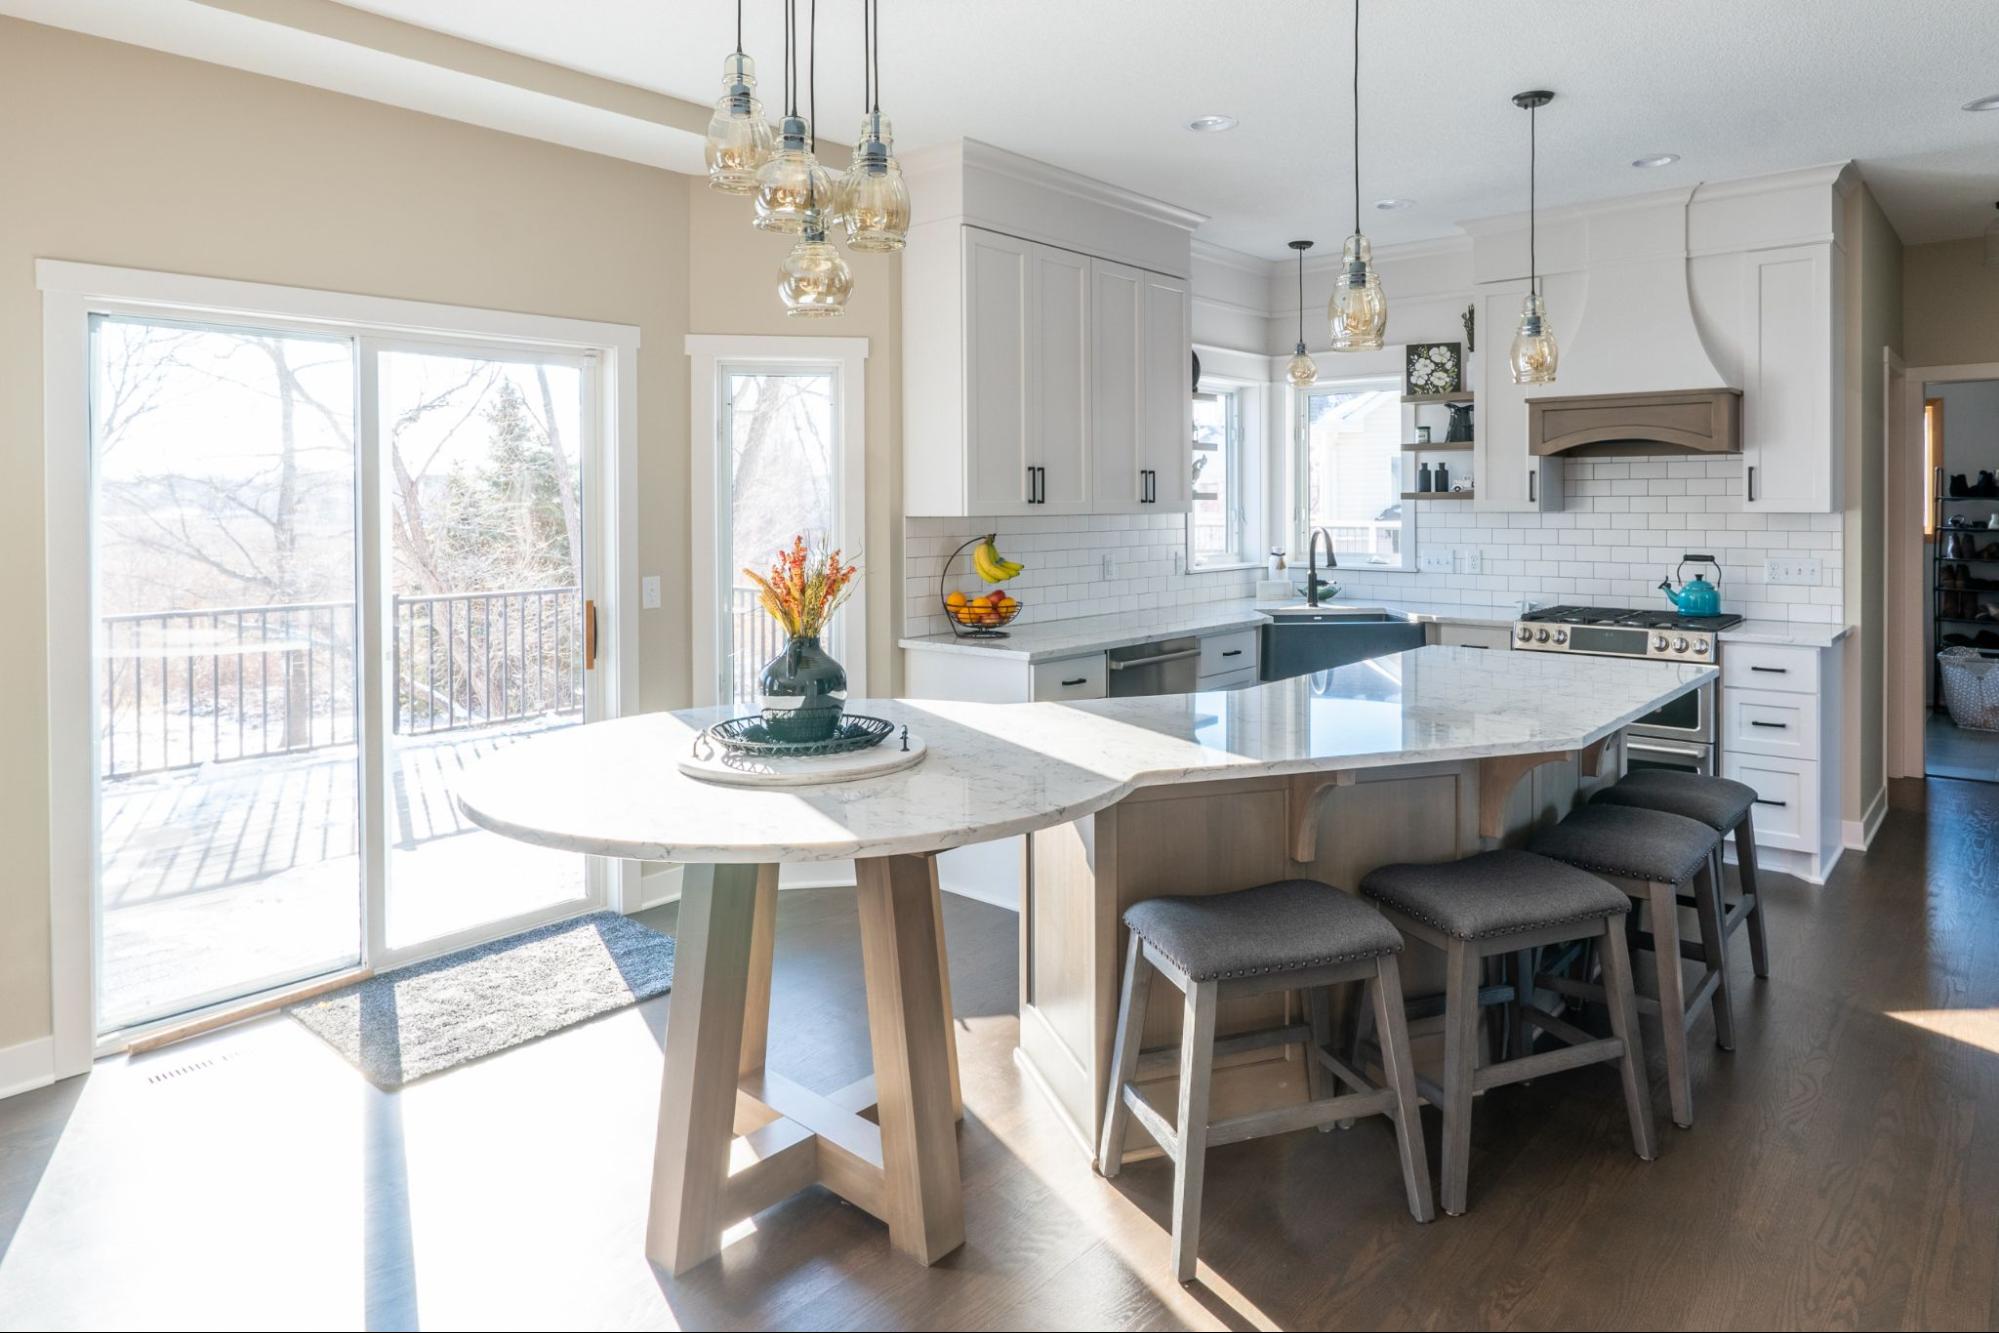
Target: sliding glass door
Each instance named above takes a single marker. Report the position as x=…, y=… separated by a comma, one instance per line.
x=237, y=473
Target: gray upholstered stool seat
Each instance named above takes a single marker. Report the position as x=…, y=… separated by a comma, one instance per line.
x=1493, y=894
x=1630, y=841
x=1283, y=927
x=1294, y=935
x=1720, y=803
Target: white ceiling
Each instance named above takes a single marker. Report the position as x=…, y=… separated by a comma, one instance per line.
x=1104, y=87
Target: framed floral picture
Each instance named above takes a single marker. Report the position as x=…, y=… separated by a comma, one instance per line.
x=1433, y=368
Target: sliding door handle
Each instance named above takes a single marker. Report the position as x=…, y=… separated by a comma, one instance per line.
x=589, y=636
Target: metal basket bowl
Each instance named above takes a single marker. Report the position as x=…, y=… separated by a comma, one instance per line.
x=749, y=735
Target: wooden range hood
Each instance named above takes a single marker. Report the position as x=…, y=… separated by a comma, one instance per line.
x=1622, y=425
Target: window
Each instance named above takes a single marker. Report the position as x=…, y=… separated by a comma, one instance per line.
x=781, y=412
x=1218, y=523
x=1350, y=472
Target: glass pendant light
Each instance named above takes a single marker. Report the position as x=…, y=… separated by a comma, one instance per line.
x=814, y=281
x=739, y=138
x=1533, y=354
x=1358, y=312
x=792, y=180
x=1302, y=370
x=874, y=200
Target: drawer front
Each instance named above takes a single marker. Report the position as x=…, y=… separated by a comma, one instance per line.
x=1769, y=722
x=1474, y=636
x=1230, y=680
x=1221, y=653
x=1070, y=678
x=1786, y=813
x=1762, y=666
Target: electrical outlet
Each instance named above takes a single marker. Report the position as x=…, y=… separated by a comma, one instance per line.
x=1434, y=561
x=1802, y=570
x=1179, y=562
x=649, y=592
x=1471, y=560
x=1107, y=567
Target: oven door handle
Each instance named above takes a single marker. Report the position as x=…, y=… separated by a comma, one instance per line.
x=1131, y=662
x=1699, y=754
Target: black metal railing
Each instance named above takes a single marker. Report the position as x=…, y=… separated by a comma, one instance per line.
x=477, y=659
x=184, y=688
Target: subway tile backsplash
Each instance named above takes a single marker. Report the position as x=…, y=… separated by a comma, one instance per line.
x=1626, y=523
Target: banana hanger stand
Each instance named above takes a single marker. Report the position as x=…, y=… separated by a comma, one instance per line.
x=964, y=623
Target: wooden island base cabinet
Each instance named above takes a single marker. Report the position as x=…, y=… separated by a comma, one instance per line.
x=1216, y=837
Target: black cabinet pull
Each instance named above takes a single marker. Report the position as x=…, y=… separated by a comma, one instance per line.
x=1750, y=484
x=1761, y=801
x=1080, y=680
x=1773, y=671
x=1030, y=483
x=1532, y=474
x=1233, y=652
x=1778, y=726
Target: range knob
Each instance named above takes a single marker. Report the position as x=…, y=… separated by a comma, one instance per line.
x=1561, y=636
x=1541, y=635
x=1659, y=643
x=1700, y=646
x=1524, y=634
x=1679, y=645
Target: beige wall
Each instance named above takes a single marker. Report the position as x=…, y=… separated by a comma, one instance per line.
x=118, y=155
x=1950, y=304
x=732, y=288
x=1874, y=258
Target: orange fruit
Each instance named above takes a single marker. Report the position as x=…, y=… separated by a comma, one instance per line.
x=955, y=599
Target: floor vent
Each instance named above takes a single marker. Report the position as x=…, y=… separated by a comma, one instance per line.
x=191, y=1067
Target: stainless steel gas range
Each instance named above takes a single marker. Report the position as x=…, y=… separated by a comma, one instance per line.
x=1683, y=734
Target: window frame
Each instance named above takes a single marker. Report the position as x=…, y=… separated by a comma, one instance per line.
x=1239, y=460
x=714, y=358
x=1301, y=468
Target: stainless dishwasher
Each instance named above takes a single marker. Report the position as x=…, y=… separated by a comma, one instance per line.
x=1163, y=666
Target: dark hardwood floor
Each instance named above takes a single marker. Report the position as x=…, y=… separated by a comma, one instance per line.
x=1844, y=1171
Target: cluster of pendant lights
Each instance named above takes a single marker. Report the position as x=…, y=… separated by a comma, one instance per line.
x=1357, y=315
x=795, y=195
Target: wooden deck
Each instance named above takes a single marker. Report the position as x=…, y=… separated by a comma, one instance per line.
x=218, y=878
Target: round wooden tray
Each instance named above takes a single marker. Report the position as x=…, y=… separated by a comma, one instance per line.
x=749, y=770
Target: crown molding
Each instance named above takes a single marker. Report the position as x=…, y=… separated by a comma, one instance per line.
x=1027, y=170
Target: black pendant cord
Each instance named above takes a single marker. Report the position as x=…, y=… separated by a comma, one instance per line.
x=790, y=57
x=739, y=27
x=1533, y=201
x=867, y=55
x=1301, y=299
x=812, y=97
x=876, y=37
x=1356, y=118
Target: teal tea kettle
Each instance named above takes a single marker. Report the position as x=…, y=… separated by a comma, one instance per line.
x=1699, y=598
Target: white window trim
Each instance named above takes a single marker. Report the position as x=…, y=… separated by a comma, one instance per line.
x=71, y=294
x=710, y=354
x=1300, y=466
x=1249, y=396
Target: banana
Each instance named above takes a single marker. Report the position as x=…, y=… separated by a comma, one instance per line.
x=992, y=566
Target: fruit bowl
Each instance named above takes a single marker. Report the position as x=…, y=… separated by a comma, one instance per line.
x=982, y=616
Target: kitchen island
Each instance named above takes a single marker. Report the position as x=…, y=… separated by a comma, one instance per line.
x=1417, y=756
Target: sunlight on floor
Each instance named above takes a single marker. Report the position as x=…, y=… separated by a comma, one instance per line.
x=1973, y=1027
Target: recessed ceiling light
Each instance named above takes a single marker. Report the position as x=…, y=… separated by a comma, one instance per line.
x=1990, y=102
x=1394, y=205
x=1657, y=160
x=1211, y=124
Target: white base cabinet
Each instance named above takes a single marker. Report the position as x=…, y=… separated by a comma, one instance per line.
x=1779, y=733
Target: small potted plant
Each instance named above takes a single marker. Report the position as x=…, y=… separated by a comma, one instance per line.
x=802, y=689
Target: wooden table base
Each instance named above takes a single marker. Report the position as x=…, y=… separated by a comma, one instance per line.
x=735, y=1138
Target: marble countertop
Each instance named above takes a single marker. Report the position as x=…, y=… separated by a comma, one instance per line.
x=1800, y=633
x=1047, y=640
x=995, y=770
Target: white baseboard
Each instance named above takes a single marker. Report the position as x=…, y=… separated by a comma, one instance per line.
x=27, y=1065
x=1858, y=834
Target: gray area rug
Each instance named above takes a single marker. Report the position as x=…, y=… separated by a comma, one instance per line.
x=402, y=1025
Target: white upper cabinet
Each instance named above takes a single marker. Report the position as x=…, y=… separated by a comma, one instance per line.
x=1792, y=415
x=1505, y=476
x=1046, y=342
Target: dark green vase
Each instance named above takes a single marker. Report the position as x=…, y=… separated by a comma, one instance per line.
x=803, y=692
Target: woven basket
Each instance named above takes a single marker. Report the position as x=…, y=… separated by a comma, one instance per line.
x=1970, y=688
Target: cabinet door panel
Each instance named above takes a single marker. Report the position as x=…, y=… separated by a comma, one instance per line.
x=1117, y=404
x=1167, y=446
x=997, y=302
x=1504, y=473
x=1788, y=412
x=1058, y=378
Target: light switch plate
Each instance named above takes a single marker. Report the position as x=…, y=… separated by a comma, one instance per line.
x=1107, y=567
x=1434, y=561
x=1797, y=570
x=649, y=592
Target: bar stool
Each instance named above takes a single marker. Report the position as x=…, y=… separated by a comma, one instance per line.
x=1506, y=902
x=1666, y=854
x=1725, y=806
x=1292, y=935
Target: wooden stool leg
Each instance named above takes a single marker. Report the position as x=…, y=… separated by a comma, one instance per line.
x=1197, y=1066
x=1745, y=868
x=1664, y=901
x=1399, y=1074
x=1124, y=1055
x=1460, y=1062
x=1714, y=948
x=1319, y=1018
x=1619, y=996
x=704, y=1045
x=1520, y=1034
x=911, y=1036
